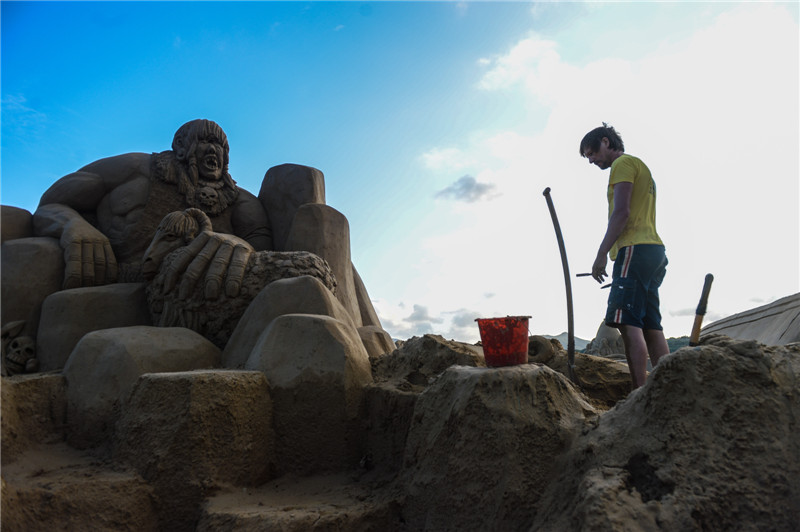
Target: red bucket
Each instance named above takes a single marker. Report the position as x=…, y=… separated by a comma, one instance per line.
x=505, y=340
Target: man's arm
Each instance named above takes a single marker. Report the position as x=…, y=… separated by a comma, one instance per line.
x=616, y=224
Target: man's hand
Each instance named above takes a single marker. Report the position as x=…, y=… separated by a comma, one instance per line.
x=599, y=267
x=219, y=256
x=88, y=257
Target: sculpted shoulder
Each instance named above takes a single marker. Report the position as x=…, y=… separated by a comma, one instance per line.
x=250, y=221
x=83, y=190
x=120, y=168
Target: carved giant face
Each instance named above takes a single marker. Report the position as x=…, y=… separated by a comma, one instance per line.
x=209, y=157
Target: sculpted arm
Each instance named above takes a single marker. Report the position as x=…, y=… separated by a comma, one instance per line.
x=223, y=258
x=89, y=259
x=250, y=221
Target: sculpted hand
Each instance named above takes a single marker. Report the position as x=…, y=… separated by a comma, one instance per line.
x=88, y=257
x=599, y=268
x=217, y=255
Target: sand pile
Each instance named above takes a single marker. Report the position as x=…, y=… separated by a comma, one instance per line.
x=484, y=442
x=709, y=443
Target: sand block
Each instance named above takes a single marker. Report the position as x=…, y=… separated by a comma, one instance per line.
x=188, y=433
x=376, y=340
x=324, y=231
x=34, y=410
x=297, y=295
x=31, y=269
x=369, y=316
x=55, y=487
x=15, y=223
x=105, y=365
x=69, y=314
x=209, y=424
x=390, y=409
x=284, y=189
x=317, y=369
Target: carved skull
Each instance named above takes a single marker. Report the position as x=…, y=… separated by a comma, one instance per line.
x=21, y=355
x=207, y=197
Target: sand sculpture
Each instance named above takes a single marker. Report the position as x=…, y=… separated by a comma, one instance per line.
x=105, y=214
x=214, y=315
x=309, y=419
x=607, y=341
x=102, y=218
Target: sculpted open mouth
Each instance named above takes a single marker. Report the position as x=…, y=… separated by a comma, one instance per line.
x=211, y=162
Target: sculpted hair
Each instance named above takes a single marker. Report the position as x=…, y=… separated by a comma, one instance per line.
x=179, y=166
x=188, y=223
x=592, y=139
x=191, y=133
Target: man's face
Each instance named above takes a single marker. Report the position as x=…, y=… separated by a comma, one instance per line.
x=209, y=157
x=603, y=157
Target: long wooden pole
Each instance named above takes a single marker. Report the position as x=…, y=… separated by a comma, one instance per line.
x=568, y=283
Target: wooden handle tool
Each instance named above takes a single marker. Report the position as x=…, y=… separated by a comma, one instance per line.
x=701, y=311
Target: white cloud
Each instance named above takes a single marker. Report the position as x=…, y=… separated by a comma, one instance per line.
x=715, y=116
x=446, y=159
x=526, y=62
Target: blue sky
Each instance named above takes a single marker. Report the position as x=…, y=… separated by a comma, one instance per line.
x=437, y=126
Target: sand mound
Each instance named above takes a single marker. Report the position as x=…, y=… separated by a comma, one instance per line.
x=421, y=359
x=710, y=443
x=484, y=442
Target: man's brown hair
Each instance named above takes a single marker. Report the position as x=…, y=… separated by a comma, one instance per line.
x=592, y=139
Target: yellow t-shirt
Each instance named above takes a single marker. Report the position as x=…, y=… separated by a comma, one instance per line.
x=641, y=226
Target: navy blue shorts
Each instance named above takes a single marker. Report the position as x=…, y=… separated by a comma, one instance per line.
x=633, y=300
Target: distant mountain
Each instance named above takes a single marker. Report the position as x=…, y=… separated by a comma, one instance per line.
x=677, y=343
x=580, y=343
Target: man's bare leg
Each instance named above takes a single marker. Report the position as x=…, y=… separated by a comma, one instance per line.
x=656, y=345
x=636, y=353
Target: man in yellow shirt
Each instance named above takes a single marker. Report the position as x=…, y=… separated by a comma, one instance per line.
x=632, y=242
